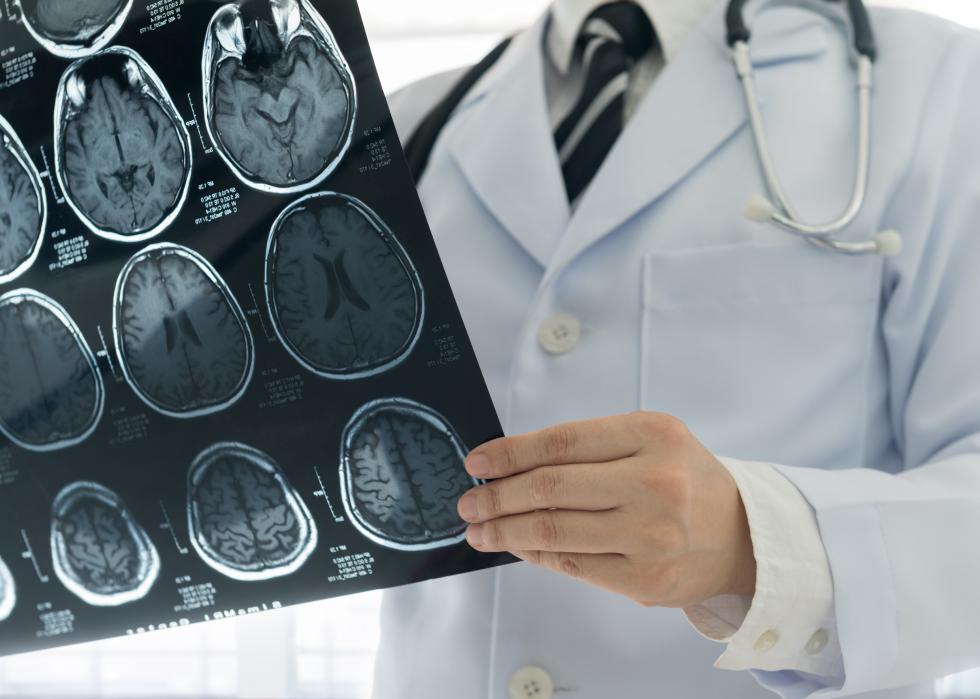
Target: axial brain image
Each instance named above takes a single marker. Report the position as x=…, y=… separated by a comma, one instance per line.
x=70, y=28
x=280, y=98
x=246, y=521
x=344, y=297
x=22, y=206
x=181, y=336
x=100, y=553
x=402, y=470
x=8, y=592
x=51, y=393
x=123, y=154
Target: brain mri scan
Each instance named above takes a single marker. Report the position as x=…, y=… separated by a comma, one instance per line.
x=181, y=337
x=279, y=97
x=245, y=519
x=74, y=28
x=100, y=553
x=122, y=152
x=23, y=207
x=8, y=592
x=345, y=299
x=401, y=474
x=51, y=392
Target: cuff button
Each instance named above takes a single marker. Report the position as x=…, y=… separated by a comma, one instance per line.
x=767, y=641
x=818, y=641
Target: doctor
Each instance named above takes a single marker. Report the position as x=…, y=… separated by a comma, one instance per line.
x=708, y=414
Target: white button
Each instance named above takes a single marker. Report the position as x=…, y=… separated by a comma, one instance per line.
x=560, y=334
x=817, y=642
x=767, y=641
x=531, y=683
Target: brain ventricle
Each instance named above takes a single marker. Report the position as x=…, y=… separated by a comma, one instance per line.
x=50, y=390
x=100, y=553
x=21, y=205
x=281, y=99
x=123, y=153
x=246, y=520
x=343, y=294
x=180, y=333
x=402, y=470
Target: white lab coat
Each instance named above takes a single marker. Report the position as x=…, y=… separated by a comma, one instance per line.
x=844, y=371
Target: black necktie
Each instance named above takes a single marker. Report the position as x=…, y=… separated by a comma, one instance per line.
x=612, y=39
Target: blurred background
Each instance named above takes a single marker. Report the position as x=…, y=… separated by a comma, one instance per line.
x=324, y=650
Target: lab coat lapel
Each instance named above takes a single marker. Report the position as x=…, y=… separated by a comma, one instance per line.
x=505, y=148
x=693, y=107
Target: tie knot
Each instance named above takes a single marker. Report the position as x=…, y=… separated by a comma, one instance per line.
x=626, y=23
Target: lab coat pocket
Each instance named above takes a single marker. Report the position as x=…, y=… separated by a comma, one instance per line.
x=761, y=348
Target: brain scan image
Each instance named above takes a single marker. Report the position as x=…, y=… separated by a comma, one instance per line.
x=280, y=100
x=345, y=299
x=246, y=520
x=8, y=591
x=100, y=553
x=74, y=28
x=23, y=207
x=122, y=152
x=181, y=337
x=401, y=474
x=51, y=391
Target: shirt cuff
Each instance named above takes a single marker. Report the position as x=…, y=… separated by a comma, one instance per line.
x=790, y=623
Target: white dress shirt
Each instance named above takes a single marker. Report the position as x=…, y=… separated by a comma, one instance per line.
x=793, y=606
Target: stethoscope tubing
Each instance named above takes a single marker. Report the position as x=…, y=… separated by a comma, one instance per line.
x=864, y=39
x=786, y=217
x=778, y=209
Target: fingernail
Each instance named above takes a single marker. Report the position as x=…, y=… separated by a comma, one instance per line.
x=467, y=507
x=474, y=534
x=478, y=465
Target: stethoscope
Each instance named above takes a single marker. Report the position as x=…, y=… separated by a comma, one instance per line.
x=775, y=208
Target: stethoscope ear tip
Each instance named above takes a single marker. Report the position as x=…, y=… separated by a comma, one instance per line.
x=759, y=209
x=888, y=243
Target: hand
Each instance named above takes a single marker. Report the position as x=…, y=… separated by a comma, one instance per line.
x=633, y=504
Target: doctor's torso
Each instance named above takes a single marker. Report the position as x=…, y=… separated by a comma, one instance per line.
x=656, y=294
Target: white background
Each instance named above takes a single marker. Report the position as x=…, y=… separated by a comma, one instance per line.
x=322, y=650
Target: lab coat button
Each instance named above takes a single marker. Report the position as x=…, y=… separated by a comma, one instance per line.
x=767, y=641
x=818, y=641
x=531, y=683
x=560, y=334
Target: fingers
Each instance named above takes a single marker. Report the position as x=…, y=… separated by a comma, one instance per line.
x=590, y=487
x=603, y=439
x=557, y=531
x=611, y=571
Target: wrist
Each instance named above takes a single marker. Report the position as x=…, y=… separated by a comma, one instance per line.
x=742, y=577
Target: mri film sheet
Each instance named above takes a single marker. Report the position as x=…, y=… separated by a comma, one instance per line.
x=233, y=376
